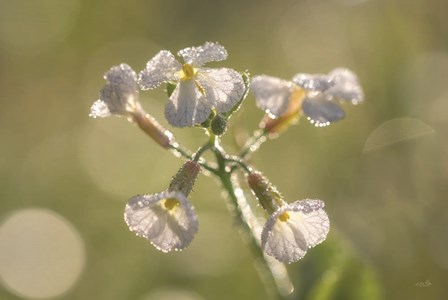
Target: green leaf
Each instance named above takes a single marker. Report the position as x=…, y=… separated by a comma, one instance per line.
x=206, y=123
x=170, y=86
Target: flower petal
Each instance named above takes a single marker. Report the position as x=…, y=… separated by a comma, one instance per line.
x=313, y=82
x=123, y=77
x=166, y=228
x=320, y=110
x=119, y=95
x=305, y=226
x=346, y=86
x=271, y=94
x=198, y=56
x=187, y=105
x=317, y=224
x=223, y=87
x=99, y=109
x=161, y=68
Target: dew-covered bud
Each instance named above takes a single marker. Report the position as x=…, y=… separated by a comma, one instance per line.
x=185, y=178
x=267, y=194
x=219, y=125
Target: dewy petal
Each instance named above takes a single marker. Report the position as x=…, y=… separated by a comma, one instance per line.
x=161, y=68
x=198, y=56
x=313, y=82
x=119, y=95
x=99, y=109
x=307, y=225
x=167, y=229
x=346, y=86
x=223, y=87
x=320, y=110
x=187, y=105
x=271, y=94
x=123, y=77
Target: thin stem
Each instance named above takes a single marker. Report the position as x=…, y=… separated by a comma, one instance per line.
x=253, y=143
x=200, y=151
x=163, y=137
x=239, y=163
x=273, y=273
x=213, y=140
x=149, y=125
x=178, y=151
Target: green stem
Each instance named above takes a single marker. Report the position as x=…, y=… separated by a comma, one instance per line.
x=272, y=272
x=253, y=143
x=239, y=163
x=200, y=151
x=179, y=151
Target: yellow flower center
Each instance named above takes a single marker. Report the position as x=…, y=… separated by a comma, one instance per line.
x=170, y=203
x=284, y=217
x=188, y=71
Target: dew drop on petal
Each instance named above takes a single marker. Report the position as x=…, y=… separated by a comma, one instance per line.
x=313, y=82
x=208, y=52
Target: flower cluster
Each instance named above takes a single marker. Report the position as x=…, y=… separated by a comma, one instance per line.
x=198, y=91
x=205, y=97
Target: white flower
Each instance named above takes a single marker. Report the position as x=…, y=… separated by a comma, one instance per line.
x=294, y=228
x=340, y=83
x=166, y=219
x=199, y=89
x=322, y=93
x=272, y=94
x=119, y=95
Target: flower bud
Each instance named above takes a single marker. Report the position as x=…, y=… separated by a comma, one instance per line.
x=185, y=178
x=268, y=195
x=219, y=125
x=206, y=123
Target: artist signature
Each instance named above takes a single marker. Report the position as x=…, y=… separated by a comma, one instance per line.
x=423, y=284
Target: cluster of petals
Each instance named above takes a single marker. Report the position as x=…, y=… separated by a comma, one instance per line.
x=119, y=96
x=167, y=219
x=323, y=92
x=199, y=90
x=294, y=228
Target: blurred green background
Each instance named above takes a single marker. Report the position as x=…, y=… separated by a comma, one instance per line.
x=65, y=178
